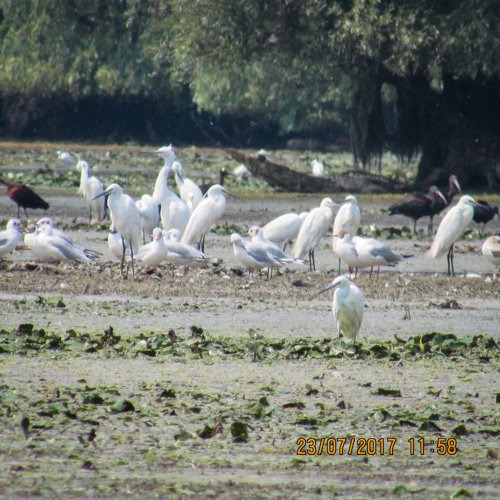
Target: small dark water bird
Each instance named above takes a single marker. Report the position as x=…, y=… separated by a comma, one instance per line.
x=484, y=213
x=23, y=196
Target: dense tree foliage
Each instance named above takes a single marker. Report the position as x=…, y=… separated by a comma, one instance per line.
x=410, y=76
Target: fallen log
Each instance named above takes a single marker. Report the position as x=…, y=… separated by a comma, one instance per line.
x=285, y=179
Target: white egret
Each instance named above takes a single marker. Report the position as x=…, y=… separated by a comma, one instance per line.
x=252, y=256
x=127, y=220
x=150, y=217
x=450, y=230
x=31, y=242
x=161, y=184
x=65, y=158
x=284, y=229
x=153, y=253
x=59, y=248
x=318, y=169
x=315, y=225
x=241, y=172
x=205, y=215
x=348, y=306
x=348, y=219
x=491, y=249
x=10, y=237
x=91, y=188
x=188, y=190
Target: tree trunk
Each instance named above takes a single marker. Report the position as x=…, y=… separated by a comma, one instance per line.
x=286, y=179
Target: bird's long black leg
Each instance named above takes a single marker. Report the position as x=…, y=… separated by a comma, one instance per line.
x=452, y=266
x=430, y=227
x=415, y=227
x=132, y=258
x=449, y=259
x=310, y=261
x=123, y=255
x=339, y=266
x=313, y=259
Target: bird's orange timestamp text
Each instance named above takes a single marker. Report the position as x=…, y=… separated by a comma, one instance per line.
x=374, y=446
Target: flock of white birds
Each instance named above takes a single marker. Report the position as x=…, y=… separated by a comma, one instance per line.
x=188, y=215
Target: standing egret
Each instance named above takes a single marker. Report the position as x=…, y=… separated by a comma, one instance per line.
x=450, y=230
x=161, y=184
x=348, y=219
x=23, y=196
x=91, y=188
x=417, y=205
x=491, y=250
x=148, y=211
x=284, y=229
x=241, y=172
x=315, y=225
x=127, y=220
x=348, y=305
x=10, y=237
x=66, y=158
x=188, y=190
x=205, y=215
x=318, y=169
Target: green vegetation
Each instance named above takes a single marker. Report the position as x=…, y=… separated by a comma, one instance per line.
x=407, y=76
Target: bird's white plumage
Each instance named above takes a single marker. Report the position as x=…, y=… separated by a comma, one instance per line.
x=59, y=248
x=148, y=210
x=125, y=217
x=66, y=158
x=318, y=169
x=259, y=241
x=452, y=226
x=347, y=306
x=241, y=172
x=10, y=237
x=115, y=244
x=348, y=219
x=205, y=215
x=188, y=189
x=346, y=250
x=372, y=252
x=315, y=225
x=91, y=188
x=284, y=228
x=161, y=184
x=250, y=255
x=491, y=249
x=153, y=253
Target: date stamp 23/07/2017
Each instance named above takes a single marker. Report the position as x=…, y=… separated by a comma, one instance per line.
x=354, y=446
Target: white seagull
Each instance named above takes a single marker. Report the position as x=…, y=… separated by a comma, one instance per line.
x=491, y=249
x=10, y=237
x=252, y=256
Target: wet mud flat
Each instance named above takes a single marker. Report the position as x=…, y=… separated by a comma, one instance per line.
x=204, y=385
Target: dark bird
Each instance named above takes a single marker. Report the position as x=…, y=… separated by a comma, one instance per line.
x=417, y=205
x=223, y=173
x=483, y=213
x=24, y=197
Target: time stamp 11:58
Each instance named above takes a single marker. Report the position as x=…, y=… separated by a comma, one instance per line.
x=374, y=446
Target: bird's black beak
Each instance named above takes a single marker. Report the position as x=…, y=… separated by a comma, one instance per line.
x=102, y=194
